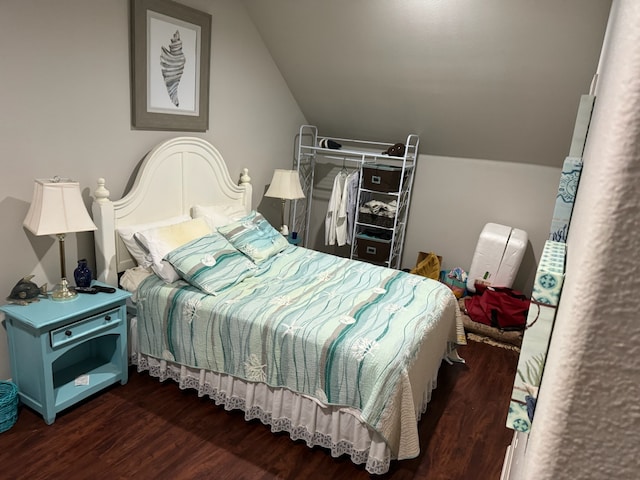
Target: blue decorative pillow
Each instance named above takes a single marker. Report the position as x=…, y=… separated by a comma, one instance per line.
x=255, y=237
x=210, y=263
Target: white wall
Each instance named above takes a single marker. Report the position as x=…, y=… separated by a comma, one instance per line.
x=453, y=199
x=494, y=79
x=65, y=111
x=587, y=421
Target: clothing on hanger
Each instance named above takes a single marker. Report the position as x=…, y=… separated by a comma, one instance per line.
x=336, y=221
x=351, y=194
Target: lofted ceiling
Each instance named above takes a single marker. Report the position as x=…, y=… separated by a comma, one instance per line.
x=487, y=79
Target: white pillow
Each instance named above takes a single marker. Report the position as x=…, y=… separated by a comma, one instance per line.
x=127, y=233
x=132, y=278
x=218, y=215
x=157, y=242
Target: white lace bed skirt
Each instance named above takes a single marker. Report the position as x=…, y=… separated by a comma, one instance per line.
x=337, y=429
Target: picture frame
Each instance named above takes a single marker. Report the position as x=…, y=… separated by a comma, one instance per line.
x=170, y=61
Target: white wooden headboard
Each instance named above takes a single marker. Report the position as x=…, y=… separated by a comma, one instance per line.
x=174, y=176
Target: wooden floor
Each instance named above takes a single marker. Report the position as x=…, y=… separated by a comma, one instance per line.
x=149, y=430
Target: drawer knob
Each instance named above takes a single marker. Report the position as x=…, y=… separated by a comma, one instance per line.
x=107, y=317
x=68, y=333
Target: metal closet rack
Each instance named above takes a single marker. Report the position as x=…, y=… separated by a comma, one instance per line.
x=361, y=153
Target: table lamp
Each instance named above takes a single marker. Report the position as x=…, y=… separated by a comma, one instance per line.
x=57, y=209
x=285, y=185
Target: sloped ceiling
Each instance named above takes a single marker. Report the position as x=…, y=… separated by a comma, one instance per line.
x=488, y=79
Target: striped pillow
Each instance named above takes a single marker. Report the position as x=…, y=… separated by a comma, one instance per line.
x=255, y=237
x=210, y=263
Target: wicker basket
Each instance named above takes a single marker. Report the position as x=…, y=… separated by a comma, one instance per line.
x=8, y=405
x=378, y=220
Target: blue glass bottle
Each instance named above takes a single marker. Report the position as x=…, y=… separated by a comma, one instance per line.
x=82, y=274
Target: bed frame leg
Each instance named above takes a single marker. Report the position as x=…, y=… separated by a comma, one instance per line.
x=454, y=357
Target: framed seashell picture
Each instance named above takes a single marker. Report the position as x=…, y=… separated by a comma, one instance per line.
x=170, y=56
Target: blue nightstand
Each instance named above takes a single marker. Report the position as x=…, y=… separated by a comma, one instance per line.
x=63, y=352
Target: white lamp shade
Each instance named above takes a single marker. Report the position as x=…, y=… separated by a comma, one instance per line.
x=285, y=184
x=57, y=207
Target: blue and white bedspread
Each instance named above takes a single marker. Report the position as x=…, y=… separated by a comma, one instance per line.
x=346, y=333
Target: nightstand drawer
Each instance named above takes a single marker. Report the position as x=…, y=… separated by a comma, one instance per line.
x=83, y=328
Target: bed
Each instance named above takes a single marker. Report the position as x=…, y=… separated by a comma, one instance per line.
x=338, y=353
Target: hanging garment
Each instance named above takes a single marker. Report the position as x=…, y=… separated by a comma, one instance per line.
x=336, y=213
x=351, y=194
x=342, y=220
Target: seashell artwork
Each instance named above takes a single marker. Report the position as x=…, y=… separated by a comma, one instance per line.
x=172, y=61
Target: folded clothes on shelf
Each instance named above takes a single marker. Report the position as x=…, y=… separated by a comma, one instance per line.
x=377, y=207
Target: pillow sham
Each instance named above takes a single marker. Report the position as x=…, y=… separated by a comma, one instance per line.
x=127, y=235
x=211, y=263
x=218, y=215
x=255, y=237
x=157, y=242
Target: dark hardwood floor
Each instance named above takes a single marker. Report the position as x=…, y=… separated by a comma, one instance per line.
x=149, y=430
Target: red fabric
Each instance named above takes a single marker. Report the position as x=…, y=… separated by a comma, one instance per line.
x=499, y=307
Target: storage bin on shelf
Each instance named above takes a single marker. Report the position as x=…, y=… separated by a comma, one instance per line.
x=8, y=405
x=372, y=248
x=377, y=220
x=381, y=178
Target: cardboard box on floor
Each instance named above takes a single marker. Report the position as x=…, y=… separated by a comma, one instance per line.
x=423, y=255
x=427, y=268
x=456, y=286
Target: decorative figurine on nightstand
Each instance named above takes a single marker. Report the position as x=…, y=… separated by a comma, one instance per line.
x=82, y=274
x=26, y=292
